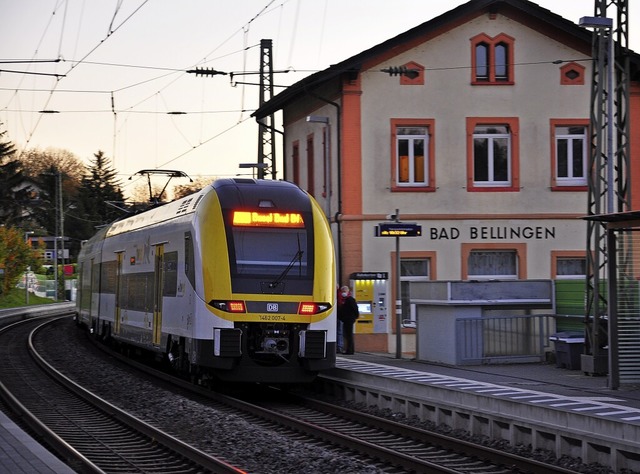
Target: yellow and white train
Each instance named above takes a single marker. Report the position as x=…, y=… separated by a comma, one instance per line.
x=235, y=282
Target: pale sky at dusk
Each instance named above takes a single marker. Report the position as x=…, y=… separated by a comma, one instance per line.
x=123, y=64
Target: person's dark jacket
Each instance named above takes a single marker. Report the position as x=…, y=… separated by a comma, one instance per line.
x=348, y=311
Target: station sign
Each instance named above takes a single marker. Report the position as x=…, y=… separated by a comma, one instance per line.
x=398, y=229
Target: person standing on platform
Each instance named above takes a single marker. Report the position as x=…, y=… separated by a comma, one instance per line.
x=348, y=313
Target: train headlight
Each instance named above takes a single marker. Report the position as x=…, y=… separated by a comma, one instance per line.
x=310, y=308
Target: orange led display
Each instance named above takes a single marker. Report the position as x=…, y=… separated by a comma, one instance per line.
x=267, y=219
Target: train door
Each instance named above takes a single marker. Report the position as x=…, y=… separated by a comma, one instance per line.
x=157, y=294
x=116, y=316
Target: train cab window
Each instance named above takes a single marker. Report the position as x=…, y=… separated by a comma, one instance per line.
x=271, y=253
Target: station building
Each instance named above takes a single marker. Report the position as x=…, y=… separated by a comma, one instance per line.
x=474, y=125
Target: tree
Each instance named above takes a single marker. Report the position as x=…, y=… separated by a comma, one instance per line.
x=193, y=187
x=35, y=162
x=57, y=175
x=15, y=256
x=100, y=193
x=11, y=198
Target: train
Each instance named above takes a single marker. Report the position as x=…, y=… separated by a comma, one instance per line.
x=234, y=283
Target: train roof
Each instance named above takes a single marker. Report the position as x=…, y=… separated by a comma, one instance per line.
x=172, y=210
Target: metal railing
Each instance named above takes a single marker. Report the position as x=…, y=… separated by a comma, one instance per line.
x=503, y=339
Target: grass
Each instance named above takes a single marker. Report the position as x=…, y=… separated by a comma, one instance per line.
x=17, y=297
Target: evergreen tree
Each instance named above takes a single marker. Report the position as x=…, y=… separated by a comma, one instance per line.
x=100, y=192
x=11, y=200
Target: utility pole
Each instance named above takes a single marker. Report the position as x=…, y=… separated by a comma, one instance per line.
x=266, y=128
x=608, y=183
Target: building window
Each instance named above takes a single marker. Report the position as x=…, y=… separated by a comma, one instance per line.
x=572, y=74
x=411, y=270
x=295, y=157
x=414, y=266
x=310, y=166
x=492, y=60
x=569, y=153
x=571, y=268
x=568, y=265
x=412, y=146
x=493, y=154
x=412, y=155
x=493, y=261
x=493, y=264
x=409, y=80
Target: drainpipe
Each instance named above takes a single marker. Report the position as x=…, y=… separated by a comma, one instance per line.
x=338, y=214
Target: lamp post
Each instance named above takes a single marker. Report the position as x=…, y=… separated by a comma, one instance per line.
x=254, y=167
x=327, y=160
x=26, y=273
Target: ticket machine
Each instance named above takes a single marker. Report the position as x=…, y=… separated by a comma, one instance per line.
x=370, y=289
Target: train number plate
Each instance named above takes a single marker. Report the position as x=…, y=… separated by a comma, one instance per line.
x=272, y=307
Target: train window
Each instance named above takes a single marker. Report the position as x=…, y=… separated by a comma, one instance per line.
x=189, y=263
x=268, y=252
x=170, y=280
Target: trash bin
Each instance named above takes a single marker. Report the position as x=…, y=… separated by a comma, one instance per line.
x=569, y=346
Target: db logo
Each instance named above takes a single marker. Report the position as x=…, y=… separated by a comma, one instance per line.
x=272, y=307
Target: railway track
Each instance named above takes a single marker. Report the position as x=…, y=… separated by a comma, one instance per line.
x=372, y=444
x=388, y=444
x=392, y=446
x=91, y=434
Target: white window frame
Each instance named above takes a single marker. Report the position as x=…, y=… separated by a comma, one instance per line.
x=491, y=166
x=570, y=180
x=412, y=182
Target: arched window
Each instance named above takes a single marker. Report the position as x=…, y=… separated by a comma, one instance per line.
x=492, y=59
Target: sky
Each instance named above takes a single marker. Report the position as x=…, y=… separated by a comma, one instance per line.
x=120, y=67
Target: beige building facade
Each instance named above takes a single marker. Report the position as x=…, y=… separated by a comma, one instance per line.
x=483, y=141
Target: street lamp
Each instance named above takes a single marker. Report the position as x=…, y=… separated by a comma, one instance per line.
x=604, y=24
x=253, y=166
x=327, y=160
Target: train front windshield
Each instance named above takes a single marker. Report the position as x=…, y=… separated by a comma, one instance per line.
x=271, y=253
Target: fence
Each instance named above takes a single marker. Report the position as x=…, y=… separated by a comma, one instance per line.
x=503, y=339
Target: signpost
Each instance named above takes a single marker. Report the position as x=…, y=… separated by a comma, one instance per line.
x=398, y=229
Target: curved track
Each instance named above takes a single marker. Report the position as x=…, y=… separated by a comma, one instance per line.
x=393, y=447
x=91, y=434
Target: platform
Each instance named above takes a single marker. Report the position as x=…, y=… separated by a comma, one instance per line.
x=538, y=377
x=20, y=453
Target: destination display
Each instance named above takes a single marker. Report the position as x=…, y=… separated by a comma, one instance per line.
x=398, y=229
x=267, y=219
